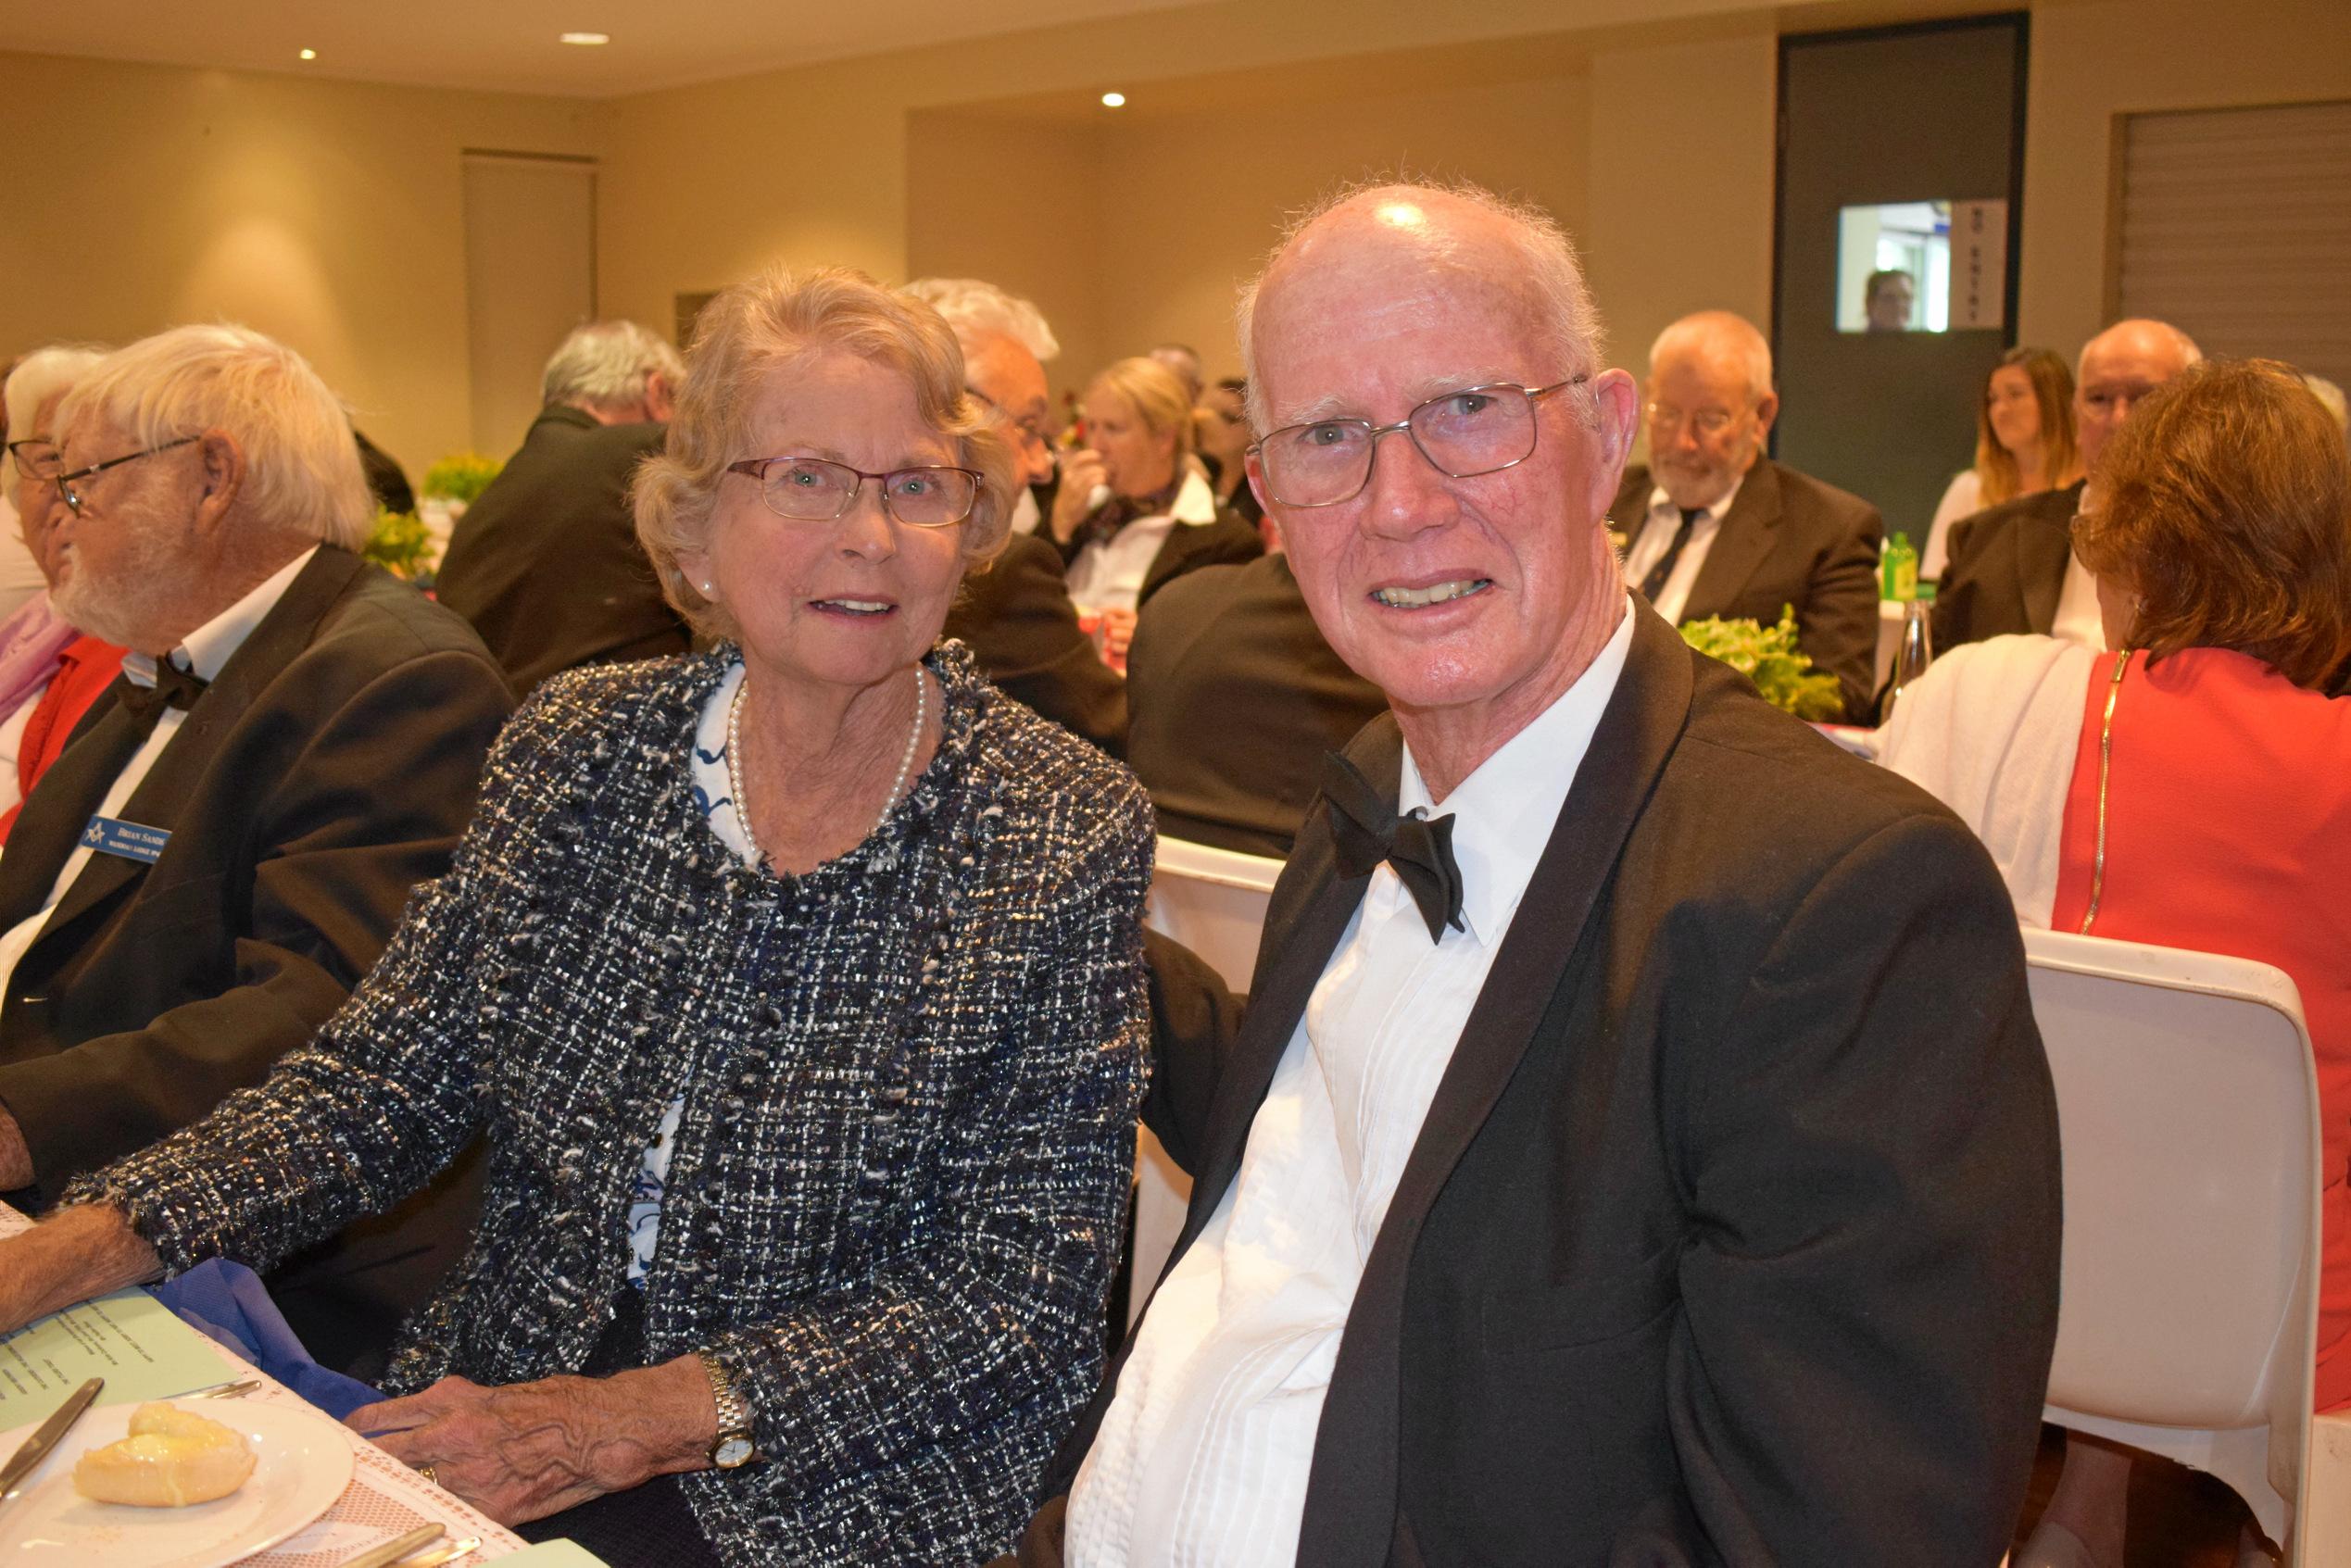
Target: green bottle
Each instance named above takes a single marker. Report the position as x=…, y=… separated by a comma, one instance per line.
x=1899, y=571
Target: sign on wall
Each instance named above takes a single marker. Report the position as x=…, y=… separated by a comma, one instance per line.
x=1978, y=264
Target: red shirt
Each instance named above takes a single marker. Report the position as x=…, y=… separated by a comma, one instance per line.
x=85, y=667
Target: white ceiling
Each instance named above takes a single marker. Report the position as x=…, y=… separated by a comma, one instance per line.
x=510, y=46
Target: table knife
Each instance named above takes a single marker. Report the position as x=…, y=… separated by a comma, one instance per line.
x=36, y=1447
x=392, y=1551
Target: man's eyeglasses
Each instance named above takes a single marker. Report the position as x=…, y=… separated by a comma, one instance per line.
x=812, y=490
x=1706, y=424
x=1025, y=429
x=65, y=482
x=35, y=456
x=1478, y=430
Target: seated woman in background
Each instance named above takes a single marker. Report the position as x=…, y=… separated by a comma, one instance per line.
x=2024, y=444
x=2207, y=759
x=50, y=673
x=1135, y=511
x=798, y=989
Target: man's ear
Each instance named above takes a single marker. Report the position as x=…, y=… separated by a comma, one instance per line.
x=223, y=479
x=1767, y=410
x=661, y=398
x=1616, y=405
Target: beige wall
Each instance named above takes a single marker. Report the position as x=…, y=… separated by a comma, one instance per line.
x=2091, y=63
x=326, y=214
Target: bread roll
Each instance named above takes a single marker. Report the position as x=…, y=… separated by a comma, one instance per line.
x=170, y=1460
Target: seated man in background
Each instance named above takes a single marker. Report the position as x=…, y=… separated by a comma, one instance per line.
x=2012, y=568
x=1713, y=527
x=226, y=844
x=1237, y=699
x=1016, y=612
x=546, y=562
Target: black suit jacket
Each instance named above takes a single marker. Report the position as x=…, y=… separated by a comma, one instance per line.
x=546, y=562
x=1789, y=539
x=1024, y=632
x=1731, y=1234
x=1236, y=699
x=329, y=769
x=2007, y=569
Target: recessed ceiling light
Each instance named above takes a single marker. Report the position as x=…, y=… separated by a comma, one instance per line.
x=587, y=38
x=1113, y=100
x=309, y=54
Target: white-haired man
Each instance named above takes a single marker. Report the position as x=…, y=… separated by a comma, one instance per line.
x=226, y=844
x=2012, y=567
x=546, y=562
x=1650, y=1159
x=1713, y=527
x=1016, y=614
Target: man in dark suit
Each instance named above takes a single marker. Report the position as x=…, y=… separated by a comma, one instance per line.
x=1713, y=527
x=1649, y=1157
x=1236, y=699
x=1016, y=613
x=225, y=846
x=2012, y=567
x=545, y=562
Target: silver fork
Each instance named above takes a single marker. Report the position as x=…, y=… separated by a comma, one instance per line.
x=236, y=1390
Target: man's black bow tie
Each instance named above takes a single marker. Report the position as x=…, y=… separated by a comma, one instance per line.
x=1420, y=848
x=174, y=687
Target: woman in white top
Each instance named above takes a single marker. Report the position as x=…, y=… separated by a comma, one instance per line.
x=2024, y=444
x=1135, y=509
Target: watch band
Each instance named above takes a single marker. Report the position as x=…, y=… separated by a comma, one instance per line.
x=733, y=1445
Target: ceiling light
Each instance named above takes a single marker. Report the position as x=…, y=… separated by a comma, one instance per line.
x=309, y=54
x=1113, y=100
x=587, y=38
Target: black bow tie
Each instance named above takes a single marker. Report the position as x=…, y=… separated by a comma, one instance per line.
x=174, y=687
x=1421, y=850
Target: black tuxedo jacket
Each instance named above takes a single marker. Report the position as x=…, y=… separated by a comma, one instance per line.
x=546, y=562
x=1789, y=539
x=1190, y=545
x=1731, y=1234
x=1024, y=632
x=1236, y=699
x=329, y=769
x=2007, y=569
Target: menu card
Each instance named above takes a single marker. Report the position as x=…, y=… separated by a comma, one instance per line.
x=128, y=1338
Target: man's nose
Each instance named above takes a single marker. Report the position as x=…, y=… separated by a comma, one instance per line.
x=1406, y=492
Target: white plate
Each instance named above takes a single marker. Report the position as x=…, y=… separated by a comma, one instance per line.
x=302, y=1462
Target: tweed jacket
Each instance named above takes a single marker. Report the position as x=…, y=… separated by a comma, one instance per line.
x=895, y=1196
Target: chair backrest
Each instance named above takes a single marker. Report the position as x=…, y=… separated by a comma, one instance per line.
x=2188, y=1111
x=1213, y=902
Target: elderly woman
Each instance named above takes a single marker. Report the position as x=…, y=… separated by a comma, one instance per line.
x=2024, y=444
x=2194, y=789
x=798, y=989
x=1135, y=511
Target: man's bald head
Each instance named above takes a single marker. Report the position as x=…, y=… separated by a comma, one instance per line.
x=1710, y=406
x=2119, y=366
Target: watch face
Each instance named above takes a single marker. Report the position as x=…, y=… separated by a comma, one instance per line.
x=731, y=1451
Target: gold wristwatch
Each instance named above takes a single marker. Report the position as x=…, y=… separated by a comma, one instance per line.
x=733, y=1447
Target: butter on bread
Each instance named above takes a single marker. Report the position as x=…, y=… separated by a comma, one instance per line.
x=172, y=1458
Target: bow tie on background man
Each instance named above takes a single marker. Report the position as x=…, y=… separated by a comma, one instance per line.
x=1420, y=848
x=174, y=687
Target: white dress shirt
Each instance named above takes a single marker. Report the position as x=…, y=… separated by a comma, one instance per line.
x=207, y=649
x=2078, y=619
x=1202, y=1457
x=1108, y=573
x=1656, y=536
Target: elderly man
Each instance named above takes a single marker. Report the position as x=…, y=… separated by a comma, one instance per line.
x=546, y=562
x=1714, y=527
x=2011, y=566
x=1016, y=615
x=224, y=848
x=1650, y=1157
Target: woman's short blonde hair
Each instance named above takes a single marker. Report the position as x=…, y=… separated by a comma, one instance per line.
x=2226, y=508
x=1157, y=395
x=764, y=328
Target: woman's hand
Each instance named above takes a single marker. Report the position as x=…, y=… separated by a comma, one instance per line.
x=71, y=1256
x=530, y=1450
x=1082, y=474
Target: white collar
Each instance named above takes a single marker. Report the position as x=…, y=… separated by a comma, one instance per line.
x=1195, y=501
x=1503, y=812
x=205, y=651
x=1714, y=510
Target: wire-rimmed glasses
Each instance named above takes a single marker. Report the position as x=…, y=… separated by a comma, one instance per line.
x=1477, y=429
x=818, y=490
x=36, y=456
x=65, y=482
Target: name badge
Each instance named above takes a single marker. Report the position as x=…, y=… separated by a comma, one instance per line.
x=133, y=841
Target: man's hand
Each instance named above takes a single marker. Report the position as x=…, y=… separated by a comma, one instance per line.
x=71, y=1256
x=15, y=1160
x=1082, y=474
x=530, y=1450
x=1118, y=634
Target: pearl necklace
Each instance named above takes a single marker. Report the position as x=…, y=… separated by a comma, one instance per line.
x=735, y=765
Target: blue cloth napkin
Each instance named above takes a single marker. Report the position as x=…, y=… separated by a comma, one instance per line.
x=228, y=1302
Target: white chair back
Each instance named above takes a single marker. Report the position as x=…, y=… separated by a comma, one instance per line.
x=2189, y=1122
x=1213, y=902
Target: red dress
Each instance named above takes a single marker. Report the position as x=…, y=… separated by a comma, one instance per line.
x=2228, y=830
x=85, y=667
